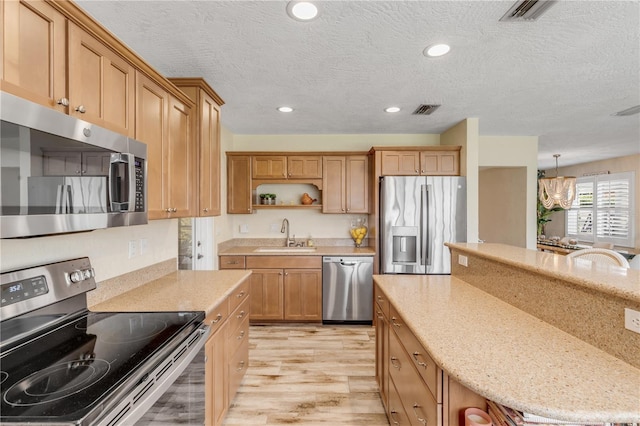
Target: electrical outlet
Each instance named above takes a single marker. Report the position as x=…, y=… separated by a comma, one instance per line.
x=632, y=320
x=274, y=228
x=133, y=248
x=462, y=260
x=144, y=246
x=244, y=228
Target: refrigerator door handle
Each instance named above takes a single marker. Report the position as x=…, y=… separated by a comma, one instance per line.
x=424, y=228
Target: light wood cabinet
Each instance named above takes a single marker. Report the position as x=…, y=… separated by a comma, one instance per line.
x=239, y=184
x=304, y=167
x=101, y=83
x=346, y=183
x=216, y=377
x=70, y=163
x=433, y=162
x=207, y=123
x=165, y=124
x=283, y=288
x=414, y=389
x=303, y=295
x=34, y=52
x=269, y=167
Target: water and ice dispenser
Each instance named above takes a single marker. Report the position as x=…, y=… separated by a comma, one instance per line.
x=405, y=244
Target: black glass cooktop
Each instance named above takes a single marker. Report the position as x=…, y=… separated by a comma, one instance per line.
x=67, y=373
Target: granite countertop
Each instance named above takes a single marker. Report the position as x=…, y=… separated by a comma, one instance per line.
x=320, y=251
x=177, y=291
x=511, y=357
x=614, y=280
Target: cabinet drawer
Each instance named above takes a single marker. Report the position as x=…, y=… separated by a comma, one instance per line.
x=231, y=262
x=397, y=415
x=381, y=301
x=236, y=337
x=239, y=295
x=218, y=316
x=419, y=357
x=417, y=399
x=238, y=316
x=238, y=363
x=265, y=262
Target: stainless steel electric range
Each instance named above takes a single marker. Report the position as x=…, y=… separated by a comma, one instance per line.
x=62, y=364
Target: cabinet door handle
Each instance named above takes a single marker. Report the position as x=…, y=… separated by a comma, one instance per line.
x=241, y=366
x=395, y=324
x=420, y=363
x=240, y=315
x=241, y=294
x=422, y=420
x=241, y=335
x=379, y=314
x=205, y=210
x=395, y=363
x=63, y=101
x=218, y=318
x=393, y=412
x=81, y=109
x=380, y=298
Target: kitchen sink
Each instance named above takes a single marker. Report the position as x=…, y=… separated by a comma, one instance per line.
x=285, y=250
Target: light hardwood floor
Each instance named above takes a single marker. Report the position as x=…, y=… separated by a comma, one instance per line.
x=309, y=375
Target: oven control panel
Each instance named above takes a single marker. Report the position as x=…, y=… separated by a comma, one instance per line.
x=18, y=291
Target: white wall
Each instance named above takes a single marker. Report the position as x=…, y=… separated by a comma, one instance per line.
x=357, y=142
x=514, y=151
x=108, y=249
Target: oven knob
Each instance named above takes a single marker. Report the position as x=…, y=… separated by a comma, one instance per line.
x=86, y=274
x=75, y=276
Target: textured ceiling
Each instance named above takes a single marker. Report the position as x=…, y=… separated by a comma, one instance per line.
x=560, y=78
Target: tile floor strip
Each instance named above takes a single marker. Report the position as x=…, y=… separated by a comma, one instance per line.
x=309, y=375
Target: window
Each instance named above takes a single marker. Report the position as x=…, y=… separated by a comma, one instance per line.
x=603, y=209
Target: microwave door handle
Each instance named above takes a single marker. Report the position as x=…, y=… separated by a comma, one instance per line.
x=59, y=202
x=117, y=204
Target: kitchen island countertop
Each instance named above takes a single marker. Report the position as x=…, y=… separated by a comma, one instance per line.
x=177, y=291
x=509, y=356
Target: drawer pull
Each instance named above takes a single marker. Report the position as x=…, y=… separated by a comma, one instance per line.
x=395, y=363
x=240, y=315
x=393, y=413
x=218, y=318
x=241, y=367
x=420, y=363
x=380, y=298
x=379, y=315
x=395, y=324
x=241, y=294
x=422, y=420
x=232, y=262
x=241, y=335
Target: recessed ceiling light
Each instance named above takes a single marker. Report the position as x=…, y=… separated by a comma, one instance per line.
x=436, y=50
x=392, y=109
x=285, y=109
x=302, y=10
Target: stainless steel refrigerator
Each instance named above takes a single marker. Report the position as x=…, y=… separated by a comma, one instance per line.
x=418, y=214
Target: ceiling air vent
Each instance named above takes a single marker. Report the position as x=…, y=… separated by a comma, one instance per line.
x=527, y=10
x=425, y=109
x=628, y=111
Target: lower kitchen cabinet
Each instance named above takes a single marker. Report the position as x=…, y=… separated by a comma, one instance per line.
x=283, y=288
x=226, y=353
x=413, y=388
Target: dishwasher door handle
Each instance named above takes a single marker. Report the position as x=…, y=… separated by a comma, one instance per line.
x=348, y=263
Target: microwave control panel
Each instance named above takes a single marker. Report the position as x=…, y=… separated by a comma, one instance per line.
x=139, y=166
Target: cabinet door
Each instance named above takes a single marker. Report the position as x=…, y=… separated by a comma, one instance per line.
x=266, y=290
x=357, y=184
x=152, y=103
x=269, y=167
x=400, y=163
x=333, y=184
x=209, y=189
x=180, y=158
x=303, y=295
x=216, y=377
x=440, y=163
x=239, y=184
x=304, y=166
x=382, y=353
x=34, y=52
x=101, y=83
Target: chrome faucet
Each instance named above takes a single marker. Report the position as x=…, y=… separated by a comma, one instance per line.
x=285, y=228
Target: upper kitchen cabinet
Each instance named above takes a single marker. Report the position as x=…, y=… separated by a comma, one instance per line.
x=304, y=167
x=413, y=161
x=238, y=183
x=165, y=124
x=207, y=117
x=101, y=83
x=269, y=167
x=34, y=56
x=346, y=184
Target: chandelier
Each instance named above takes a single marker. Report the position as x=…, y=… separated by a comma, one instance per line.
x=560, y=190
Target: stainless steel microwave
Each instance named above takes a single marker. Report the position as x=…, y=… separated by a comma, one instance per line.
x=59, y=174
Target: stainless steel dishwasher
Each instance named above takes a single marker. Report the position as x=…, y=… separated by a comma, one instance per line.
x=347, y=289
